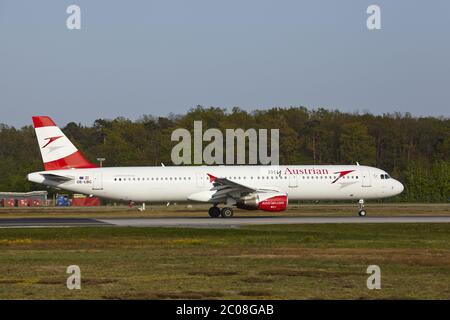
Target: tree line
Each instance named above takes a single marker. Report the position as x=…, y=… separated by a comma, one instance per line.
x=415, y=150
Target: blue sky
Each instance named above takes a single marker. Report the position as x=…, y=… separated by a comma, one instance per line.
x=158, y=57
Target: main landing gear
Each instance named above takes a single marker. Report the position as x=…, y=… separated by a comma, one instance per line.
x=362, y=212
x=215, y=212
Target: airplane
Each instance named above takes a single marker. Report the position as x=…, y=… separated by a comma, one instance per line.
x=250, y=187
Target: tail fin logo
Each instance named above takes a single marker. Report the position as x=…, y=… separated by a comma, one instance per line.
x=50, y=140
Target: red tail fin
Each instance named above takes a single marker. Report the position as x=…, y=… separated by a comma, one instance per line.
x=56, y=149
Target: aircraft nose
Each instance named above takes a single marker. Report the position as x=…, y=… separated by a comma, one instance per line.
x=399, y=187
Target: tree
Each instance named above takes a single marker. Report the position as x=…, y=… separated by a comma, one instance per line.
x=415, y=150
x=356, y=144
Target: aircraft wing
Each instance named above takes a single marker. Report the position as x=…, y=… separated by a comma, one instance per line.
x=226, y=188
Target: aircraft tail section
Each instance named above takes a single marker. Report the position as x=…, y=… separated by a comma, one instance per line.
x=57, y=151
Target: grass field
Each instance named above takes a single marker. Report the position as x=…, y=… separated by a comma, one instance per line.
x=279, y=262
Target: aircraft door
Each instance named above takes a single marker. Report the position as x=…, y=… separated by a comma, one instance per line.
x=97, y=181
x=293, y=182
x=201, y=179
x=366, y=181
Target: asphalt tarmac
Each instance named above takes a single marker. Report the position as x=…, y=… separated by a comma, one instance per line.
x=207, y=222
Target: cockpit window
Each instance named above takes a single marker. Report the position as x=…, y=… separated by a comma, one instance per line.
x=384, y=176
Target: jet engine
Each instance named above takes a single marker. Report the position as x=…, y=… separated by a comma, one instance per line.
x=273, y=201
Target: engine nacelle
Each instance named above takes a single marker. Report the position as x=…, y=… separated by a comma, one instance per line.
x=275, y=201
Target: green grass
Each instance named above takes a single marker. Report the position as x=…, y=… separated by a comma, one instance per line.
x=279, y=262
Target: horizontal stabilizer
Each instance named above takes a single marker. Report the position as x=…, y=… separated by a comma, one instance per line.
x=55, y=177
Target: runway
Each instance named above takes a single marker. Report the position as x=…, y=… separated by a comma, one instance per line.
x=48, y=222
x=207, y=222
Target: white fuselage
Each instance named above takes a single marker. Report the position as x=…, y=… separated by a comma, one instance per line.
x=178, y=184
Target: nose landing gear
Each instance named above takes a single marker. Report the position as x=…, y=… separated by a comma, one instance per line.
x=362, y=212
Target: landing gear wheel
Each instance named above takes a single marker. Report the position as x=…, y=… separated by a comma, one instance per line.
x=361, y=211
x=226, y=212
x=214, y=212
